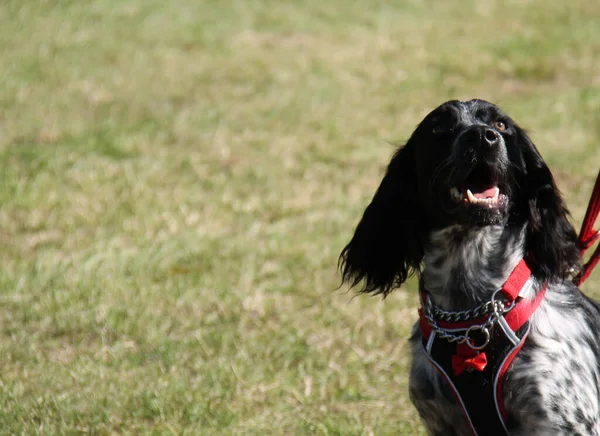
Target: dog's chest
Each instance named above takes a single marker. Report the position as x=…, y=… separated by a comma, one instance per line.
x=553, y=382
x=550, y=389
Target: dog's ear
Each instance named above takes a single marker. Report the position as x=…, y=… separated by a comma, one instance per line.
x=387, y=244
x=551, y=239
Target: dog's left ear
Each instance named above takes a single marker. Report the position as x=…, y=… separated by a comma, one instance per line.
x=551, y=239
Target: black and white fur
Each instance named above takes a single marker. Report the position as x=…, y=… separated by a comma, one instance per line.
x=420, y=221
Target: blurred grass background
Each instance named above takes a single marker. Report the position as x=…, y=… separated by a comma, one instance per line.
x=177, y=179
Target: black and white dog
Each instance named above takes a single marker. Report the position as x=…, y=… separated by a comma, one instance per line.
x=464, y=204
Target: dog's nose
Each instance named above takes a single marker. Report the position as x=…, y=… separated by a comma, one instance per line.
x=481, y=142
x=490, y=138
x=481, y=138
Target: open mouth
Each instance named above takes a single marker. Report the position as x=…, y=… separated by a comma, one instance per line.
x=480, y=189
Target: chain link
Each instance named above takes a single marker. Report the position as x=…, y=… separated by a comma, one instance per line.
x=495, y=309
x=466, y=315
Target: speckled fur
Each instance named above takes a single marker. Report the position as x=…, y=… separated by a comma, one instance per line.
x=463, y=254
x=552, y=386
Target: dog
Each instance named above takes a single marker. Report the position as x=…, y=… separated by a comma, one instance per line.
x=463, y=205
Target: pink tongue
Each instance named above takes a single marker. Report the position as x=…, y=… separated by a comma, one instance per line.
x=488, y=193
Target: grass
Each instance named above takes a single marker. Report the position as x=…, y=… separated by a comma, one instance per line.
x=177, y=179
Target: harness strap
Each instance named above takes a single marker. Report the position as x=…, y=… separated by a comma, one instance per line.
x=588, y=236
x=479, y=393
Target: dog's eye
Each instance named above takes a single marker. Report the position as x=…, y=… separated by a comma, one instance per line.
x=500, y=126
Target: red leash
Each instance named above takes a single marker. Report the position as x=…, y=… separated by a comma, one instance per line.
x=588, y=236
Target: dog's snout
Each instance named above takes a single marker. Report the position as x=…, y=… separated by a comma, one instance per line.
x=490, y=138
x=471, y=137
x=482, y=143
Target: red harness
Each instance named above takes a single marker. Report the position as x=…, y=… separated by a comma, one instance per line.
x=474, y=369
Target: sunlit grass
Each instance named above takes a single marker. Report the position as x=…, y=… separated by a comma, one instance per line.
x=178, y=178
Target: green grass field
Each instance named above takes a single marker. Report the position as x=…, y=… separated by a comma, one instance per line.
x=178, y=178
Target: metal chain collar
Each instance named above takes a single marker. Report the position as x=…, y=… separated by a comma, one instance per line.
x=495, y=308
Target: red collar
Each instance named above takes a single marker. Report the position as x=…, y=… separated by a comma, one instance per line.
x=521, y=312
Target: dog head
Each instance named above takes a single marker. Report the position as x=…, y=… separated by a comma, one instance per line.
x=467, y=164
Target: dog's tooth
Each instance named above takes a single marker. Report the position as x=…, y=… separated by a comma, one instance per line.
x=471, y=197
x=496, y=193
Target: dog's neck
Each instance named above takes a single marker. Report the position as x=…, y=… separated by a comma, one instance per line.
x=464, y=266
